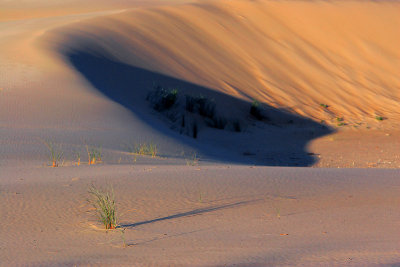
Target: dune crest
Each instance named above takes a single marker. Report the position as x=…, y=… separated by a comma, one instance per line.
x=294, y=55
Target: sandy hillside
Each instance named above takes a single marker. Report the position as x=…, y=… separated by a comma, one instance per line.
x=292, y=55
x=80, y=78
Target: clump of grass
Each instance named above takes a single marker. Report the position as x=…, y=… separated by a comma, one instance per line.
x=56, y=154
x=94, y=155
x=104, y=203
x=149, y=149
x=255, y=110
x=163, y=99
x=379, y=118
x=341, y=124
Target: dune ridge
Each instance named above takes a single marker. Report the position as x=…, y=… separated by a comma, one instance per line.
x=293, y=55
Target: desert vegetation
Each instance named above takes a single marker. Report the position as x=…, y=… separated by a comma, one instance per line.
x=103, y=200
x=56, y=153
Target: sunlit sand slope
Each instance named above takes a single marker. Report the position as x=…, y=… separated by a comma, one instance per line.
x=295, y=55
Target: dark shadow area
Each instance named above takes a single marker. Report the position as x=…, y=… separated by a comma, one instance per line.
x=279, y=140
x=189, y=213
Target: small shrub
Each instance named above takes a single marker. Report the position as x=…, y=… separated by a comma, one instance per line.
x=104, y=203
x=255, y=110
x=379, y=118
x=163, y=99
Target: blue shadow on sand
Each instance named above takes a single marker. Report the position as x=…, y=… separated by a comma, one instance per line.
x=282, y=141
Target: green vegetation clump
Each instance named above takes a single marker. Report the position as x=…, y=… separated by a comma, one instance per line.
x=104, y=203
x=94, y=155
x=56, y=155
x=147, y=149
x=163, y=99
x=379, y=118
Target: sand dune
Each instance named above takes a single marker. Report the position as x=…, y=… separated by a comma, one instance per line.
x=291, y=55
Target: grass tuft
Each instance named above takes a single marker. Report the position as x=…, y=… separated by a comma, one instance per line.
x=379, y=118
x=94, y=155
x=56, y=154
x=104, y=203
x=149, y=149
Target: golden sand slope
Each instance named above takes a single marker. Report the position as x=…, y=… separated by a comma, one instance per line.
x=288, y=54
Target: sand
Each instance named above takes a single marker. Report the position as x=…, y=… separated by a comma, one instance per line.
x=77, y=74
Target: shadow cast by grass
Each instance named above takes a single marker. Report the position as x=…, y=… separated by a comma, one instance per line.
x=129, y=244
x=189, y=213
x=275, y=144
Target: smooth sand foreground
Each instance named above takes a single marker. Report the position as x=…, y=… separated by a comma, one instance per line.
x=201, y=216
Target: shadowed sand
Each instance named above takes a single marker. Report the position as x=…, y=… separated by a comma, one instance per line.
x=281, y=140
